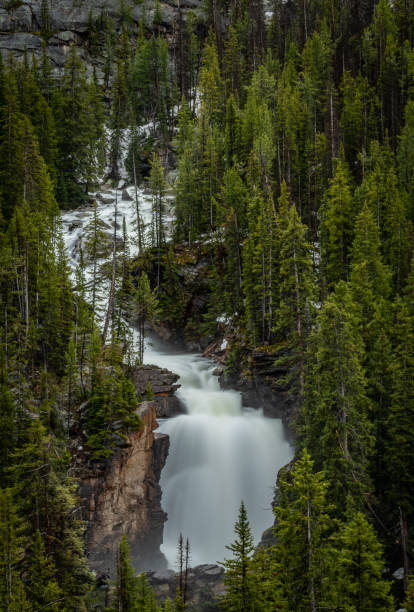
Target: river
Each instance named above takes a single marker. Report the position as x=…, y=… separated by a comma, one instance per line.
x=220, y=452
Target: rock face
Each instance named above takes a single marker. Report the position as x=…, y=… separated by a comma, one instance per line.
x=204, y=586
x=162, y=384
x=125, y=497
x=71, y=22
x=265, y=387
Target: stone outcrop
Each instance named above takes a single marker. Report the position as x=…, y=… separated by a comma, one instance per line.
x=124, y=497
x=204, y=586
x=70, y=22
x=161, y=383
x=265, y=384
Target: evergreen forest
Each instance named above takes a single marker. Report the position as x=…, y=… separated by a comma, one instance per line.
x=276, y=141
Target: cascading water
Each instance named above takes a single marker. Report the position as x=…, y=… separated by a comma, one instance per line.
x=220, y=452
x=219, y=455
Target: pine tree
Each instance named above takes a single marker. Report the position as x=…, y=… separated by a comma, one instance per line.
x=260, y=270
x=359, y=565
x=45, y=19
x=158, y=186
x=12, y=593
x=145, y=309
x=336, y=226
x=238, y=579
x=368, y=275
x=78, y=115
x=337, y=429
x=43, y=589
x=301, y=570
x=126, y=589
x=293, y=312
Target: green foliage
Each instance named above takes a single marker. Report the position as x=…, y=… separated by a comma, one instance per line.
x=238, y=579
x=112, y=400
x=337, y=428
x=360, y=566
x=132, y=594
x=300, y=564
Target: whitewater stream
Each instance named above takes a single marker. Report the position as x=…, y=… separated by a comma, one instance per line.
x=220, y=452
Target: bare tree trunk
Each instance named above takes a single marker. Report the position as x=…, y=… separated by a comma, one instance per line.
x=310, y=559
x=404, y=541
x=299, y=324
x=26, y=291
x=186, y=568
x=139, y=229
x=332, y=125
x=113, y=277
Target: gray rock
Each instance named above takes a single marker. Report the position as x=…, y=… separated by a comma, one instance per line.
x=162, y=383
x=164, y=575
x=208, y=571
x=105, y=199
x=126, y=196
x=399, y=574
x=19, y=41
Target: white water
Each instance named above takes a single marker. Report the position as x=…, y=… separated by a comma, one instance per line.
x=220, y=453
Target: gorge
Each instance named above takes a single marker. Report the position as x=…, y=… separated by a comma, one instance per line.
x=220, y=451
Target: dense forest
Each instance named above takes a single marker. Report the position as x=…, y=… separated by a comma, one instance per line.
x=287, y=138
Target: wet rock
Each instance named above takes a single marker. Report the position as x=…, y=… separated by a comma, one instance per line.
x=126, y=196
x=105, y=199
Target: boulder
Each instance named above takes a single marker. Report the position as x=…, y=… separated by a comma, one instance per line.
x=126, y=196
x=163, y=385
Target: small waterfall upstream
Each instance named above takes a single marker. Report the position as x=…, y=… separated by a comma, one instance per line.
x=220, y=452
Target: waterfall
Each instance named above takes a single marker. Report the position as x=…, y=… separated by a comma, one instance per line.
x=220, y=453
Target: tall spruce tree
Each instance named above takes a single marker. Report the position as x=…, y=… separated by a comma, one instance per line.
x=337, y=429
x=238, y=579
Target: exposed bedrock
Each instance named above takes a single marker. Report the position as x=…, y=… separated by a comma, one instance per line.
x=125, y=497
x=162, y=384
x=204, y=586
x=73, y=22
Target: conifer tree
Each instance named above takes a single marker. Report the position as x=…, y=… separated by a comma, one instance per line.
x=158, y=186
x=145, y=309
x=336, y=226
x=238, y=579
x=293, y=313
x=337, y=429
x=126, y=589
x=301, y=569
x=359, y=565
x=12, y=593
x=43, y=589
x=260, y=270
x=368, y=275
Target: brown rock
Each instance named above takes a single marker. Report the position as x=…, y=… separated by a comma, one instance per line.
x=125, y=497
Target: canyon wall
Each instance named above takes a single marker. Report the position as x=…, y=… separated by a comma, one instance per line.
x=23, y=25
x=125, y=497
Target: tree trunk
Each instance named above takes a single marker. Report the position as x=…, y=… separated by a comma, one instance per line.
x=113, y=277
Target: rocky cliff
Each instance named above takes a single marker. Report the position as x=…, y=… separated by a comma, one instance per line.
x=24, y=24
x=124, y=497
x=161, y=384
